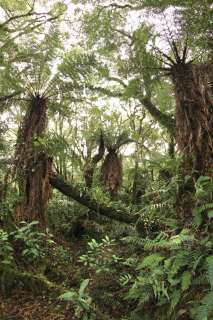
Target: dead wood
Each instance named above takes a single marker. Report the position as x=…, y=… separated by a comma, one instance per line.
x=85, y=199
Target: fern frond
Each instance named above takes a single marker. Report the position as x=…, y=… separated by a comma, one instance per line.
x=209, y=261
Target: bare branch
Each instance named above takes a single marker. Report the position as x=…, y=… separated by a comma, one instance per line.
x=117, y=80
x=23, y=15
x=125, y=34
x=122, y=6
x=165, y=56
x=185, y=52
x=9, y=96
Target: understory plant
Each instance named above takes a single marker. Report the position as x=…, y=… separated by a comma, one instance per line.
x=175, y=271
x=26, y=242
x=81, y=300
x=100, y=255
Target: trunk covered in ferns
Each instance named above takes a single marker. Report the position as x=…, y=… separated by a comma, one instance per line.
x=32, y=164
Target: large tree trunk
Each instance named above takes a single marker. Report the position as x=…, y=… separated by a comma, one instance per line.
x=194, y=127
x=194, y=115
x=85, y=199
x=32, y=165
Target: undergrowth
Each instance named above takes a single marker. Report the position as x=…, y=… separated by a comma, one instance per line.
x=163, y=271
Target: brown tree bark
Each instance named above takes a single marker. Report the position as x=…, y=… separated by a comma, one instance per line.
x=194, y=125
x=112, y=172
x=32, y=165
x=194, y=115
x=91, y=164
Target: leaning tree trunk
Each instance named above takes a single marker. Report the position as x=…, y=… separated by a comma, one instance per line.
x=84, y=198
x=32, y=165
x=194, y=126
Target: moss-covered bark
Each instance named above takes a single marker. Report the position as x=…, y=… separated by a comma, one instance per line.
x=85, y=199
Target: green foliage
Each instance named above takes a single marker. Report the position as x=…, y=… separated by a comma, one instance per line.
x=52, y=143
x=98, y=26
x=62, y=215
x=209, y=261
x=204, y=204
x=81, y=300
x=32, y=245
x=13, y=5
x=204, y=310
x=6, y=250
x=99, y=194
x=163, y=98
x=100, y=256
x=162, y=267
x=167, y=274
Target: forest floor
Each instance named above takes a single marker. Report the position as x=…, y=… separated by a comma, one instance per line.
x=22, y=304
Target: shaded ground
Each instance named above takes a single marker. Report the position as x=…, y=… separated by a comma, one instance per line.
x=25, y=307
x=21, y=304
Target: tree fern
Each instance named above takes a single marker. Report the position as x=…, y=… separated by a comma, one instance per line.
x=151, y=261
x=134, y=241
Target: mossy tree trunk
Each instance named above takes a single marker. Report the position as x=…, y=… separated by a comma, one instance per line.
x=84, y=198
x=32, y=164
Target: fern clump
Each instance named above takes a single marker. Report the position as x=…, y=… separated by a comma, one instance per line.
x=175, y=269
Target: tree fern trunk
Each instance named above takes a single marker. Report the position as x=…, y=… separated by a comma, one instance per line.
x=194, y=127
x=32, y=164
x=194, y=115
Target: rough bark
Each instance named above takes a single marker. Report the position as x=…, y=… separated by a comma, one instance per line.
x=4, y=187
x=90, y=165
x=32, y=165
x=112, y=172
x=194, y=125
x=171, y=149
x=85, y=199
x=194, y=115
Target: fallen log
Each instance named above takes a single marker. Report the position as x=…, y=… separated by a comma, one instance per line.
x=85, y=199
